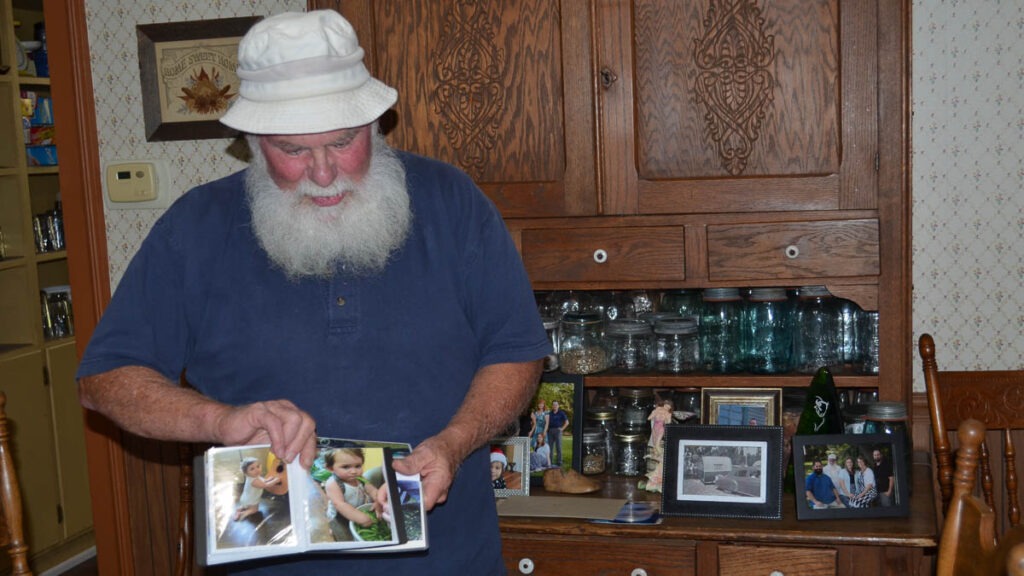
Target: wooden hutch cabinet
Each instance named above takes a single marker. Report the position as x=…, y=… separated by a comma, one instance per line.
x=660, y=144
x=657, y=144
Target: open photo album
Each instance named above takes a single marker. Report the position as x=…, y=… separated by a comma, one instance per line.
x=250, y=504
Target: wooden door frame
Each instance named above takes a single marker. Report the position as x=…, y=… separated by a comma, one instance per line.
x=82, y=197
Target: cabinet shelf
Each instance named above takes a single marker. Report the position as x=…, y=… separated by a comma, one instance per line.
x=704, y=380
x=12, y=262
x=40, y=170
x=33, y=81
x=51, y=256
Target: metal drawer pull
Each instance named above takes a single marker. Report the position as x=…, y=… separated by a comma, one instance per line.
x=600, y=256
x=792, y=251
x=526, y=566
x=638, y=572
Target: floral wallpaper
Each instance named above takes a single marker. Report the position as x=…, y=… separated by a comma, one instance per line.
x=968, y=182
x=115, y=70
x=968, y=160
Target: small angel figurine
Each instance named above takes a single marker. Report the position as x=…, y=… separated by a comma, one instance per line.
x=659, y=417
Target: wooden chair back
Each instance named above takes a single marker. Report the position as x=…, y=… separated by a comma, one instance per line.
x=12, y=531
x=968, y=545
x=996, y=399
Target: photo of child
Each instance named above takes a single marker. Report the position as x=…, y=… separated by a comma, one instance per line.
x=252, y=491
x=498, y=464
x=347, y=489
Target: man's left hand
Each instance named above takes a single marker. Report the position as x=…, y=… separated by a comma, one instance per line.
x=434, y=462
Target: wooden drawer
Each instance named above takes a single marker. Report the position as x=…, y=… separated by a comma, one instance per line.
x=561, y=556
x=634, y=254
x=772, y=560
x=793, y=250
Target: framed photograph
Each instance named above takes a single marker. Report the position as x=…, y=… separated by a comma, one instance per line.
x=723, y=471
x=510, y=462
x=862, y=476
x=187, y=72
x=741, y=406
x=553, y=424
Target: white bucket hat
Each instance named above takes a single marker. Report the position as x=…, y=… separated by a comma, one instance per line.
x=303, y=73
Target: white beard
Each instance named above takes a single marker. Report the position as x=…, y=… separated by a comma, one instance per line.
x=360, y=233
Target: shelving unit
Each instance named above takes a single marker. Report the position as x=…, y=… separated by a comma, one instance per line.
x=36, y=372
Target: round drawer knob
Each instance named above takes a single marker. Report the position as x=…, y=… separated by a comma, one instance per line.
x=638, y=572
x=792, y=251
x=600, y=256
x=776, y=573
x=526, y=566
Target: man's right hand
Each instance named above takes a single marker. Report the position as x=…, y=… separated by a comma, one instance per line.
x=289, y=430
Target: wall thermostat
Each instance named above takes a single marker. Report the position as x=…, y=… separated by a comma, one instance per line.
x=136, y=184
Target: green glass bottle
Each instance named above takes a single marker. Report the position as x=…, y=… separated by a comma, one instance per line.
x=821, y=415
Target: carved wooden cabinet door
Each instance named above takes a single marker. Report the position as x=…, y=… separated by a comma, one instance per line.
x=503, y=90
x=737, y=105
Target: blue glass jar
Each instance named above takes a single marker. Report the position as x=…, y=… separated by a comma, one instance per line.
x=720, y=330
x=818, y=326
x=767, y=332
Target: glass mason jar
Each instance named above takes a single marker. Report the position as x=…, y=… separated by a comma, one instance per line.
x=677, y=344
x=630, y=452
x=635, y=405
x=720, y=332
x=767, y=332
x=850, y=314
x=867, y=343
x=891, y=418
x=818, y=326
x=595, y=451
x=580, y=345
x=630, y=345
x=681, y=302
x=551, y=327
x=603, y=418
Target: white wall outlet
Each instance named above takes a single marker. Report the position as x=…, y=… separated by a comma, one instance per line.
x=136, y=185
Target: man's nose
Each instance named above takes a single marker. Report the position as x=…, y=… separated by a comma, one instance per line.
x=322, y=172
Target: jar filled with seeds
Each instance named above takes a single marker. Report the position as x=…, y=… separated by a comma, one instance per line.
x=595, y=457
x=580, y=346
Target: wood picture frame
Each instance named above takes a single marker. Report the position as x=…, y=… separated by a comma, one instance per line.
x=723, y=471
x=514, y=475
x=741, y=406
x=810, y=448
x=187, y=74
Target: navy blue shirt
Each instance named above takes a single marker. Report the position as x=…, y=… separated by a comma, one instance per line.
x=388, y=357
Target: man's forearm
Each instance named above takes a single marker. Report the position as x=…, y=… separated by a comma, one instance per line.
x=497, y=395
x=144, y=402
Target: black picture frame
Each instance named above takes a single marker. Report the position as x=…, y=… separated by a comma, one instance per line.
x=197, y=45
x=736, y=406
x=807, y=448
x=721, y=471
x=567, y=389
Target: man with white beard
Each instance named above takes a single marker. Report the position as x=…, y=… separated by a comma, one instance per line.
x=336, y=288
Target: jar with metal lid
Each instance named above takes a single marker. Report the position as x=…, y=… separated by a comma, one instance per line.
x=720, y=332
x=891, y=418
x=767, y=332
x=677, y=344
x=580, y=345
x=551, y=360
x=868, y=343
x=818, y=336
x=630, y=344
x=603, y=418
x=595, y=451
x=630, y=452
x=635, y=405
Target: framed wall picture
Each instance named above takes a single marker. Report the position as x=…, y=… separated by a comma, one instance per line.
x=187, y=72
x=553, y=423
x=510, y=474
x=741, y=406
x=723, y=471
x=861, y=476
